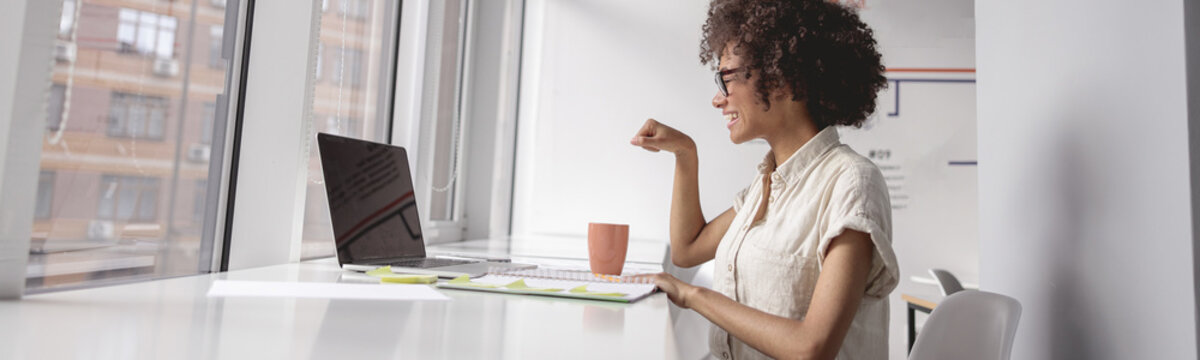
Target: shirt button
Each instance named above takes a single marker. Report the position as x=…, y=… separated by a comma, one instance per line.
x=725, y=355
x=731, y=267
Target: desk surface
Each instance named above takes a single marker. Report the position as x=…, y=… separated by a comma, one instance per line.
x=923, y=300
x=174, y=319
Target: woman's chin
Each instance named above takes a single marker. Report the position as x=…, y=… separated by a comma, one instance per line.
x=737, y=138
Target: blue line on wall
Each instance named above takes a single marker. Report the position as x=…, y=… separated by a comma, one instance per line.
x=896, y=90
x=964, y=163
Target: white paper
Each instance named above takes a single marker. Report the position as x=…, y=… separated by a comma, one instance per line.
x=239, y=288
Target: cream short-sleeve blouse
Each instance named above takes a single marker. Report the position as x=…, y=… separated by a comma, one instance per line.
x=773, y=265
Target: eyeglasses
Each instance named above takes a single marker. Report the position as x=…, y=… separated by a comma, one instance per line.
x=720, y=79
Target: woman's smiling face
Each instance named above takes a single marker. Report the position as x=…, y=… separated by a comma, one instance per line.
x=743, y=110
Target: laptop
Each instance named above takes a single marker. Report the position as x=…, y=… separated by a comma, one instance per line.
x=374, y=212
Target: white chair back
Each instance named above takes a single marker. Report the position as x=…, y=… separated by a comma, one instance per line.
x=969, y=324
x=946, y=281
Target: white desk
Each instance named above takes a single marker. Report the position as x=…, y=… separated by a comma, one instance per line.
x=174, y=319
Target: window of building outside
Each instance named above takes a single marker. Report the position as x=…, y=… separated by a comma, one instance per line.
x=147, y=32
x=54, y=106
x=351, y=97
x=45, y=195
x=128, y=198
x=216, y=38
x=128, y=142
x=137, y=116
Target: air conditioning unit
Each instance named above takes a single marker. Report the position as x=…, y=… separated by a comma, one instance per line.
x=100, y=230
x=166, y=67
x=218, y=3
x=64, y=51
x=199, y=152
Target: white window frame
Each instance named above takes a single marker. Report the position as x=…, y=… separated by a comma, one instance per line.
x=22, y=124
x=486, y=199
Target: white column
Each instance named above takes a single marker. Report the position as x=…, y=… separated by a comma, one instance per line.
x=273, y=161
x=27, y=28
x=1084, y=175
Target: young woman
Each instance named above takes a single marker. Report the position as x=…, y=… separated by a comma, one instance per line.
x=804, y=260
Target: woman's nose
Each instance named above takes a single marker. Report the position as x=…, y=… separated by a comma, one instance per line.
x=718, y=100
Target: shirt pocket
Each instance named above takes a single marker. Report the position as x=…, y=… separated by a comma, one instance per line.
x=776, y=282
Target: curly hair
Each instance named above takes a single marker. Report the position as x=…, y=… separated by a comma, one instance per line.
x=818, y=49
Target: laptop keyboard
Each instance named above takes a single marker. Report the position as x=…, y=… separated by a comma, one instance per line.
x=430, y=262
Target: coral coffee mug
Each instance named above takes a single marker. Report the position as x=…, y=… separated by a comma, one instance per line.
x=606, y=247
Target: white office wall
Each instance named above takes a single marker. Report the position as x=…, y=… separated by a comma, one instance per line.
x=1084, y=186
x=592, y=72
x=27, y=30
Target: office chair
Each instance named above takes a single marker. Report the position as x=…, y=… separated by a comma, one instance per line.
x=691, y=329
x=946, y=281
x=969, y=324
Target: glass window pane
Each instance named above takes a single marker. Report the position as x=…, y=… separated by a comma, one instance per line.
x=45, y=195
x=67, y=21
x=446, y=112
x=147, y=30
x=216, y=37
x=206, y=123
x=126, y=199
x=148, y=207
x=54, y=106
x=107, y=192
x=127, y=165
x=354, y=39
x=166, y=44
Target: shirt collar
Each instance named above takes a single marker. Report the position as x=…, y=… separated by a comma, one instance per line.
x=826, y=139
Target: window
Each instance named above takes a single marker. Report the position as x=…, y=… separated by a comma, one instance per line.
x=354, y=8
x=444, y=110
x=113, y=206
x=137, y=116
x=347, y=66
x=54, y=106
x=357, y=41
x=206, y=123
x=216, y=36
x=344, y=126
x=320, y=60
x=199, y=197
x=128, y=198
x=67, y=21
x=146, y=33
x=45, y=195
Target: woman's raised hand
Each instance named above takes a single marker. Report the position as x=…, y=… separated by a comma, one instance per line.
x=655, y=136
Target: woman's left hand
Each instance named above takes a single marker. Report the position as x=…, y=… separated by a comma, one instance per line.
x=678, y=291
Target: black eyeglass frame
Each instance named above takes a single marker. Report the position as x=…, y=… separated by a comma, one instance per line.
x=719, y=77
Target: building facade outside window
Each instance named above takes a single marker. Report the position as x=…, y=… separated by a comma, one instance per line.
x=129, y=142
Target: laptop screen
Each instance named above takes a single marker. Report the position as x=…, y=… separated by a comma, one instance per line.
x=371, y=200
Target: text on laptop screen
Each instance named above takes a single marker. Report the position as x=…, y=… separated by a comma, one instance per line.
x=371, y=200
